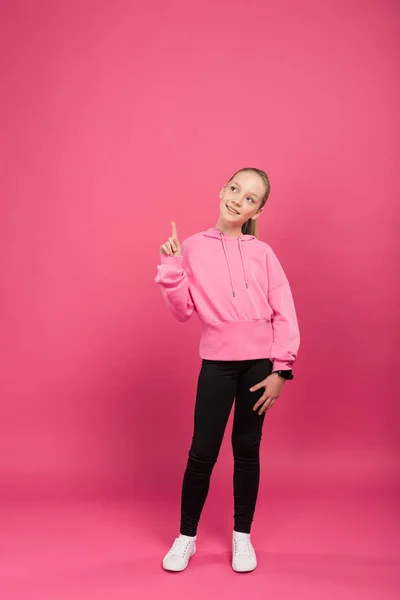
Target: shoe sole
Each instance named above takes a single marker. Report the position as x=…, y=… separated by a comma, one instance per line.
x=244, y=570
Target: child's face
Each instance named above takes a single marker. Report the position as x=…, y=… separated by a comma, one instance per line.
x=241, y=198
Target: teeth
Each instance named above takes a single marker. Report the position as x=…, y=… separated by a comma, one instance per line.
x=232, y=210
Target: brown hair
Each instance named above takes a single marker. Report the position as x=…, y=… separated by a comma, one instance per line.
x=250, y=227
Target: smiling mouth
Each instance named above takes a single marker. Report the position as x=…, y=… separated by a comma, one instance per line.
x=232, y=210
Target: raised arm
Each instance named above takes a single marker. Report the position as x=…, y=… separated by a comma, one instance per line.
x=173, y=279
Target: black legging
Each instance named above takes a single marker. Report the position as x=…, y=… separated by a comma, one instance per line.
x=219, y=383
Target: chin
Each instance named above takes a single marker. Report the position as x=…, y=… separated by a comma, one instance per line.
x=230, y=219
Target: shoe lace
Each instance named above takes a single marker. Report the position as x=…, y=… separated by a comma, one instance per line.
x=243, y=546
x=180, y=547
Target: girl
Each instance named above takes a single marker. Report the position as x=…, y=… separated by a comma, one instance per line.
x=249, y=343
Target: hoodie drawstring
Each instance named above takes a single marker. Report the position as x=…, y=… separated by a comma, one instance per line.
x=229, y=264
x=243, y=262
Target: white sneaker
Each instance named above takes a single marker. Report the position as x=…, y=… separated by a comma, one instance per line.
x=243, y=554
x=177, y=558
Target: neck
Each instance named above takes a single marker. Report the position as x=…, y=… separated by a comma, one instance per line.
x=228, y=228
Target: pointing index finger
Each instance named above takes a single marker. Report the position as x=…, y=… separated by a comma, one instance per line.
x=174, y=231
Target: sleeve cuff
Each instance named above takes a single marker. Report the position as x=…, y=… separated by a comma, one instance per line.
x=282, y=366
x=171, y=260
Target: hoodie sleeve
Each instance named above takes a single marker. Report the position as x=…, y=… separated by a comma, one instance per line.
x=284, y=321
x=174, y=284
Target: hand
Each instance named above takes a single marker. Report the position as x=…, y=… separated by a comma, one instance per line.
x=273, y=385
x=172, y=247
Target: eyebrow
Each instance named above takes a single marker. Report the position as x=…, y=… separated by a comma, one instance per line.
x=252, y=194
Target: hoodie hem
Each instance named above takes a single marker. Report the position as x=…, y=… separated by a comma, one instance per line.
x=236, y=340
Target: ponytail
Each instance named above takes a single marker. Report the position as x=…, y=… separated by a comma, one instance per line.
x=250, y=228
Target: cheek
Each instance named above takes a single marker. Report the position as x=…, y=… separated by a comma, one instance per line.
x=222, y=205
x=249, y=210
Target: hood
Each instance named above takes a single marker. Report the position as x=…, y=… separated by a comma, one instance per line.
x=213, y=232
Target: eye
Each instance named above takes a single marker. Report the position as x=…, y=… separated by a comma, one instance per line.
x=233, y=187
x=250, y=198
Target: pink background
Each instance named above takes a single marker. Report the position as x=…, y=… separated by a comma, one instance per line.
x=118, y=117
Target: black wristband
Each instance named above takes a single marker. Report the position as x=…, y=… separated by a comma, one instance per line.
x=286, y=374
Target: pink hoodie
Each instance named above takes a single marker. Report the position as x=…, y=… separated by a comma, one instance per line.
x=240, y=293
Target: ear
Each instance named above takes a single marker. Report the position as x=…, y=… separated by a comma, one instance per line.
x=221, y=192
x=255, y=217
